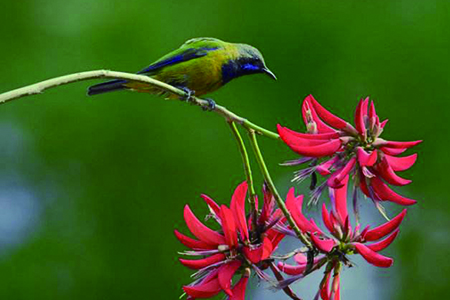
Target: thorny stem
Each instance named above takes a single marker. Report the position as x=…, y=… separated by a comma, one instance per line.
x=273, y=189
x=247, y=168
x=39, y=87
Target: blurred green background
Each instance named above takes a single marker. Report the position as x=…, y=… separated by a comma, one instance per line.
x=92, y=188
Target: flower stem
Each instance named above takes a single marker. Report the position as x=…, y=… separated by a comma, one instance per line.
x=40, y=87
x=246, y=162
x=273, y=189
x=267, y=133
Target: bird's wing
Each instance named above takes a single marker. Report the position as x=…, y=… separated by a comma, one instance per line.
x=192, y=49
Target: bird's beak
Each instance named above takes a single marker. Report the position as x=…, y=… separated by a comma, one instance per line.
x=268, y=72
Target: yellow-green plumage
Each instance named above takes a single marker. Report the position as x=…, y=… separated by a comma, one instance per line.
x=200, y=65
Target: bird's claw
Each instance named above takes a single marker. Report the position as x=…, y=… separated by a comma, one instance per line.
x=211, y=105
x=189, y=94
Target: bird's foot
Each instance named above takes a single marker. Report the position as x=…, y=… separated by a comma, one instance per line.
x=211, y=105
x=189, y=94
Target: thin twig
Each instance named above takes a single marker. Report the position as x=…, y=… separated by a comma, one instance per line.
x=40, y=87
x=246, y=162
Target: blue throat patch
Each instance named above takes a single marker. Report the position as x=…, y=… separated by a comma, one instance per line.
x=249, y=67
x=233, y=69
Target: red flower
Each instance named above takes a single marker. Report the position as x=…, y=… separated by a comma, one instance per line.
x=341, y=241
x=239, y=246
x=335, y=292
x=347, y=150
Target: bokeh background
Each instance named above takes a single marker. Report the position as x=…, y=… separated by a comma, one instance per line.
x=92, y=188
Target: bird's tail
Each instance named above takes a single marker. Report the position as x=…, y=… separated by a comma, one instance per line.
x=105, y=87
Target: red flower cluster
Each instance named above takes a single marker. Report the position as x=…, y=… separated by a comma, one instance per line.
x=343, y=236
x=350, y=150
x=342, y=239
x=238, y=247
x=244, y=242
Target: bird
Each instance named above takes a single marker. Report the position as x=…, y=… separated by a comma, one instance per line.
x=200, y=66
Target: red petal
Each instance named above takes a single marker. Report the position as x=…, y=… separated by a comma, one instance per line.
x=267, y=248
x=268, y=206
x=327, y=116
x=399, y=145
x=372, y=116
x=401, y=163
x=366, y=159
x=294, y=205
x=333, y=219
x=373, y=257
x=275, y=237
x=212, y=204
x=314, y=227
x=202, y=263
x=191, y=243
x=312, y=136
x=212, y=275
x=364, y=231
x=199, y=230
x=299, y=142
x=239, y=289
x=228, y=226
x=256, y=202
x=386, y=194
x=238, y=207
x=372, y=112
x=378, y=246
x=383, y=230
x=226, y=273
x=325, y=149
x=300, y=259
x=309, y=114
x=323, y=245
x=205, y=290
x=363, y=185
x=340, y=201
x=386, y=172
x=325, y=291
x=336, y=286
x=260, y=253
x=303, y=140
x=291, y=270
x=253, y=255
x=324, y=168
x=359, y=117
x=337, y=295
x=326, y=219
x=393, y=151
x=337, y=179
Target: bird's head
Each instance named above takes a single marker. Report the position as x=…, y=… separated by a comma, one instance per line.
x=251, y=61
x=248, y=61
